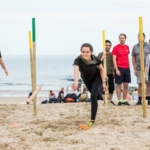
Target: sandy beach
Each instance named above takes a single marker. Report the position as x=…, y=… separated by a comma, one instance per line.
x=56, y=127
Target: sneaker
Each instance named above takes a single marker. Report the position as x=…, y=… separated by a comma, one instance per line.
x=90, y=124
x=139, y=103
x=119, y=102
x=124, y=102
x=114, y=102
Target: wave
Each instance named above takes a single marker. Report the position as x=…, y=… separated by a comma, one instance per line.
x=12, y=84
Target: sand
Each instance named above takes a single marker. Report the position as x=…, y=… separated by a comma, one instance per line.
x=56, y=127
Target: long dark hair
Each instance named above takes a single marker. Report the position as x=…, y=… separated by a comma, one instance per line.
x=87, y=45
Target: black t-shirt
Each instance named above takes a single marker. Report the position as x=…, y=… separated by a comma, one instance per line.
x=88, y=71
x=60, y=94
x=0, y=55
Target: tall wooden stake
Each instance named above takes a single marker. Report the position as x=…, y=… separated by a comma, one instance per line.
x=31, y=58
x=142, y=66
x=34, y=64
x=105, y=65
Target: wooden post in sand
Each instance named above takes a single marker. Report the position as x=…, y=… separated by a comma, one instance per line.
x=105, y=65
x=31, y=58
x=34, y=64
x=142, y=66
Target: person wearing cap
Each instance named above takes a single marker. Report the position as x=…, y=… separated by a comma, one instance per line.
x=3, y=64
x=137, y=67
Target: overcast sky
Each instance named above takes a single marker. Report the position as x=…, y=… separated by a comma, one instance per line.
x=63, y=25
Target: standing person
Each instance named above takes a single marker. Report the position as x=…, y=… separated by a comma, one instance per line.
x=137, y=67
x=92, y=73
x=3, y=65
x=110, y=68
x=122, y=69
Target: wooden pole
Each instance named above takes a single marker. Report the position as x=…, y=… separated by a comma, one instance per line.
x=105, y=65
x=142, y=66
x=31, y=58
x=34, y=64
x=34, y=94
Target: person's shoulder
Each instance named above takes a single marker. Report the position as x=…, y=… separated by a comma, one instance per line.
x=101, y=53
x=126, y=45
x=116, y=46
x=147, y=44
x=78, y=58
x=95, y=57
x=135, y=45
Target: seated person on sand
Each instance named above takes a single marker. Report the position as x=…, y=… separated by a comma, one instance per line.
x=51, y=94
x=61, y=95
x=30, y=94
x=84, y=96
x=78, y=92
x=135, y=95
x=134, y=98
x=128, y=97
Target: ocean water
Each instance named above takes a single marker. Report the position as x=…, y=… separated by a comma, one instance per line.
x=53, y=72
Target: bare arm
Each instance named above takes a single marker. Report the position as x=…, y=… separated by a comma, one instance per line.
x=133, y=62
x=76, y=75
x=3, y=66
x=114, y=62
x=115, y=65
x=102, y=73
x=134, y=65
x=129, y=62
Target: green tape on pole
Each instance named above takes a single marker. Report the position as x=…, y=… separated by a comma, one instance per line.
x=33, y=30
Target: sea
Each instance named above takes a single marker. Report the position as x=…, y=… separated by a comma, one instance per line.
x=52, y=73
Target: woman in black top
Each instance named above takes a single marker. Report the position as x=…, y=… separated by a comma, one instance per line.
x=92, y=73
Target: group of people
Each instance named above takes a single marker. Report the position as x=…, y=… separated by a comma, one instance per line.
x=76, y=96
x=118, y=69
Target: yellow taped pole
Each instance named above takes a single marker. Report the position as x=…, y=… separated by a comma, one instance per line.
x=142, y=66
x=34, y=94
x=105, y=65
x=31, y=58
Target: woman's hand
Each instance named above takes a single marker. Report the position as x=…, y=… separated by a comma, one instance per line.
x=74, y=87
x=104, y=87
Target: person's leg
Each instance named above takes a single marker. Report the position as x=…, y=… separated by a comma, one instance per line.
x=139, y=87
x=119, y=81
x=94, y=92
x=125, y=90
x=111, y=86
x=148, y=88
x=148, y=92
x=118, y=91
x=126, y=81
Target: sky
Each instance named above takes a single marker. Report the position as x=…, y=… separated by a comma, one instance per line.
x=62, y=26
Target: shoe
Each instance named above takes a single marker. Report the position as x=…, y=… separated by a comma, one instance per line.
x=119, y=102
x=124, y=102
x=139, y=103
x=90, y=124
